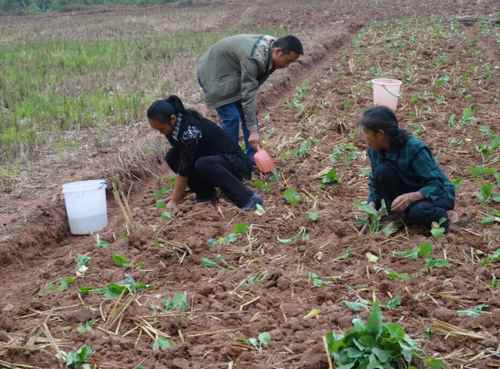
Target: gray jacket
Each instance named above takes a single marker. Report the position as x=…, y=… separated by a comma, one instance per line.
x=233, y=69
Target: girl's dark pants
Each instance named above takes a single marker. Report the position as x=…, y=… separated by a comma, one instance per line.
x=390, y=184
x=211, y=172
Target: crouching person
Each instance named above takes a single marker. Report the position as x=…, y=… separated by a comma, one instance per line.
x=404, y=173
x=203, y=157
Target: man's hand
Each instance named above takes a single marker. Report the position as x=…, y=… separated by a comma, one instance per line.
x=254, y=139
x=401, y=203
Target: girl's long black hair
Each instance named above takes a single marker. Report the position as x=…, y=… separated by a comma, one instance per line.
x=381, y=118
x=162, y=110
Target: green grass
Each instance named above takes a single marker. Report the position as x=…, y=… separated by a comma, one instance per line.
x=51, y=85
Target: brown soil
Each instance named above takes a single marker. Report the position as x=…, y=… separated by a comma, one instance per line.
x=222, y=310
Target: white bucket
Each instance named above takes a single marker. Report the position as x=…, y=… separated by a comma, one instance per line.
x=86, y=206
x=386, y=92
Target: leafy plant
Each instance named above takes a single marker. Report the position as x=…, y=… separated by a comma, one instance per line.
x=330, y=177
x=457, y=182
x=423, y=250
x=85, y=327
x=100, y=243
x=452, y=121
x=443, y=80
x=490, y=259
x=356, y=306
x=473, y=312
x=160, y=204
x=292, y=196
x=393, y=303
x=468, y=116
x=296, y=102
x=161, y=343
x=491, y=218
x=317, y=281
x=178, y=302
x=259, y=210
x=373, y=345
x=115, y=290
x=374, y=217
x=345, y=255
x=300, y=235
x=79, y=358
x=396, y=276
x=262, y=341
x=437, y=230
x=82, y=263
x=62, y=284
x=431, y=263
x=261, y=185
x=166, y=216
x=238, y=230
x=313, y=215
x=486, y=194
x=304, y=148
x=209, y=263
x=120, y=261
x=478, y=171
x=344, y=153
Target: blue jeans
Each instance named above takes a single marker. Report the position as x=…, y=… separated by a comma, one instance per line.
x=230, y=116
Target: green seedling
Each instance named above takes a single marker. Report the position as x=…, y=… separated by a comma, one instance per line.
x=301, y=235
x=161, y=344
x=261, y=185
x=61, y=285
x=494, y=282
x=160, y=204
x=166, y=216
x=313, y=215
x=319, y=282
x=115, y=290
x=468, y=116
x=443, y=80
x=239, y=229
x=140, y=367
x=393, y=303
x=85, y=327
x=490, y=259
x=452, y=121
x=77, y=359
x=486, y=194
x=374, y=344
x=396, y=276
x=179, y=302
x=434, y=363
x=417, y=129
x=373, y=219
x=211, y=263
x=121, y=261
x=254, y=279
x=262, y=341
x=457, y=182
x=423, y=250
x=437, y=230
x=492, y=218
x=330, y=178
x=84, y=291
x=478, y=171
x=163, y=191
x=431, y=263
x=260, y=210
x=292, y=196
x=473, y=312
x=304, y=148
x=100, y=243
x=301, y=92
x=346, y=255
x=82, y=264
x=346, y=104
x=344, y=153
x=356, y=306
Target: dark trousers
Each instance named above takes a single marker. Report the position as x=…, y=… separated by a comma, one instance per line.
x=390, y=184
x=211, y=172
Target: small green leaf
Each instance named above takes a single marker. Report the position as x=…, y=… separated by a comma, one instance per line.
x=85, y=290
x=85, y=327
x=166, y=216
x=261, y=185
x=424, y=249
x=313, y=215
x=395, y=276
x=208, y=263
x=393, y=303
x=259, y=210
x=292, y=196
x=120, y=261
x=330, y=177
x=100, y=243
x=316, y=280
x=66, y=282
x=474, y=312
x=160, y=204
x=374, y=323
x=161, y=343
x=82, y=262
x=253, y=341
x=430, y=263
x=264, y=339
x=434, y=363
x=355, y=306
x=241, y=228
x=178, y=303
x=76, y=359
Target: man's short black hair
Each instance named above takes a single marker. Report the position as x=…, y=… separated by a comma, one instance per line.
x=288, y=44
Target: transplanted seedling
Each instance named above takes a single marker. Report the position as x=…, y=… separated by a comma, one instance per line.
x=239, y=229
x=261, y=185
x=330, y=177
x=77, y=359
x=85, y=327
x=356, y=306
x=374, y=344
x=313, y=215
x=162, y=343
x=492, y=258
x=100, y=243
x=473, y=312
x=423, y=250
x=115, y=290
x=486, y=193
x=318, y=281
x=437, y=230
x=260, y=342
x=301, y=235
x=292, y=196
x=344, y=153
x=304, y=148
x=61, y=285
x=491, y=218
x=179, y=302
x=82, y=263
x=121, y=261
x=373, y=220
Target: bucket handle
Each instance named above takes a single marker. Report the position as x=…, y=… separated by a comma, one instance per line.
x=390, y=93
